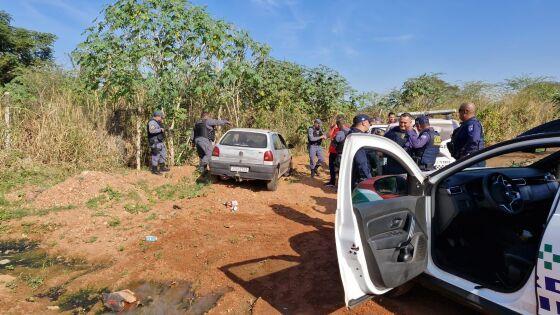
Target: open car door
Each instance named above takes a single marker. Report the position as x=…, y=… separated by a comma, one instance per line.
x=380, y=243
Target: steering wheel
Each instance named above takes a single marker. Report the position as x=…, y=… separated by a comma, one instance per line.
x=502, y=193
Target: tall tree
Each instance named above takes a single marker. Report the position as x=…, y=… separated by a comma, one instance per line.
x=20, y=47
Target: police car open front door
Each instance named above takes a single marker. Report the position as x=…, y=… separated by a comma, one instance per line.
x=380, y=227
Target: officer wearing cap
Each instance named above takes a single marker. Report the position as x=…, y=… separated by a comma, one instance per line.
x=315, y=137
x=203, y=136
x=469, y=137
x=424, y=147
x=156, y=140
x=361, y=168
x=399, y=134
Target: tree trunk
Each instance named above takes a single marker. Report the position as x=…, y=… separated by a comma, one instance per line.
x=7, y=121
x=138, y=143
x=171, y=160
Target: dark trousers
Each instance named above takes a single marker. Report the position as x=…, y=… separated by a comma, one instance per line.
x=332, y=167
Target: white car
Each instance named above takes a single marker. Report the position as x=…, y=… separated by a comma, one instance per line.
x=251, y=154
x=489, y=235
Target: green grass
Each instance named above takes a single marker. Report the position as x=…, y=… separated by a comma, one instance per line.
x=112, y=194
x=84, y=298
x=91, y=239
x=96, y=201
x=20, y=212
x=114, y=222
x=151, y=217
x=136, y=208
x=33, y=282
x=182, y=190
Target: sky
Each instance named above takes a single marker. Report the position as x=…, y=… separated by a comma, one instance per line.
x=375, y=44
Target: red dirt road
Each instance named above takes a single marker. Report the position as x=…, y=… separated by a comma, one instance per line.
x=275, y=255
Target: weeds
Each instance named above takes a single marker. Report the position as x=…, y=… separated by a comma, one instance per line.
x=91, y=239
x=136, y=208
x=95, y=202
x=182, y=190
x=151, y=217
x=33, y=282
x=17, y=213
x=84, y=299
x=114, y=222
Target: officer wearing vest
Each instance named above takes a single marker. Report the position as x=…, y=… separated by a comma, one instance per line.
x=204, y=135
x=398, y=134
x=424, y=147
x=361, y=166
x=156, y=140
x=469, y=137
x=315, y=137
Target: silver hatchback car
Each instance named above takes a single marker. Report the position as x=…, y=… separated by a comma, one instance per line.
x=246, y=153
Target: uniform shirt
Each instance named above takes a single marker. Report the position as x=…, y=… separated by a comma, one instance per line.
x=416, y=141
x=468, y=138
x=312, y=137
x=361, y=166
x=341, y=135
x=154, y=127
x=211, y=123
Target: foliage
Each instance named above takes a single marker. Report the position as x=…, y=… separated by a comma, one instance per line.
x=21, y=48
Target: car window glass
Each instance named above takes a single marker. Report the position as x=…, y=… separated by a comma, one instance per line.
x=245, y=139
x=520, y=158
x=283, y=141
x=388, y=177
x=277, y=142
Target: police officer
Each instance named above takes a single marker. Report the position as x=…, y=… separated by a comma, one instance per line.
x=361, y=168
x=204, y=135
x=399, y=134
x=315, y=137
x=469, y=137
x=156, y=140
x=424, y=147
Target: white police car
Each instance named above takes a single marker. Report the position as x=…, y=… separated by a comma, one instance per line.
x=489, y=235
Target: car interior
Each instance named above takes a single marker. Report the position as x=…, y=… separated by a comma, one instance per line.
x=488, y=222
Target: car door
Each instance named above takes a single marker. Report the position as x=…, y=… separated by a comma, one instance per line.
x=548, y=265
x=286, y=153
x=382, y=243
x=281, y=152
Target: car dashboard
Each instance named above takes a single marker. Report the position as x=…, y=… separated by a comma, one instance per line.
x=463, y=192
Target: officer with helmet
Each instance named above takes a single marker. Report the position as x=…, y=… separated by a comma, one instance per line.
x=424, y=146
x=204, y=136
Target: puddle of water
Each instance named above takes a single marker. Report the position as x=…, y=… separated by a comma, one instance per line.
x=173, y=298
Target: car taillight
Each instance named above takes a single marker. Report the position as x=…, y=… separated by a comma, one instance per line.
x=216, y=152
x=268, y=156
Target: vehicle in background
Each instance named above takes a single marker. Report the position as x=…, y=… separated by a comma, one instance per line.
x=251, y=154
x=444, y=126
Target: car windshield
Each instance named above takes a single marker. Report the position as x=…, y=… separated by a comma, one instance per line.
x=245, y=139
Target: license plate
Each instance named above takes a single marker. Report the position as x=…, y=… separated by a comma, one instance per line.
x=239, y=169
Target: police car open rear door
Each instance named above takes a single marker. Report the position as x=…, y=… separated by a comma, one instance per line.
x=381, y=243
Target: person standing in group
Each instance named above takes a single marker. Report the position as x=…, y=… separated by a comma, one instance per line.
x=315, y=137
x=156, y=141
x=204, y=134
x=391, y=118
x=400, y=135
x=337, y=134
x=469, y=137
x=424, y=147
x=361, y=167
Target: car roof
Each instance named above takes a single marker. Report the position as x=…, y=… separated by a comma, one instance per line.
x=252, y=130
x=549, y=127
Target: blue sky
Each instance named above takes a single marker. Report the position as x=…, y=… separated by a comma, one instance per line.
x=376, y=45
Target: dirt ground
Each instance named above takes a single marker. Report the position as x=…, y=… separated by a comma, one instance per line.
x=276, y=254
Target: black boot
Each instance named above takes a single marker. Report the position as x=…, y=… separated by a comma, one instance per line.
x=313, y=173
x=163, y=168
x=155, y=171
x=316, y=169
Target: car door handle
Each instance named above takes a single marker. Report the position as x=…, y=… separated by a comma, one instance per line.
x=396, y=223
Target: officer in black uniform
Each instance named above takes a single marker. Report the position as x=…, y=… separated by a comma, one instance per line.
x=469, y=137
x=156, y=140
x=399, y=134
x=424, y=147
x=203, y=137
x=361, y=167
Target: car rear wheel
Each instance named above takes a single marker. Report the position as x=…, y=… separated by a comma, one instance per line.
x=272, y=184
